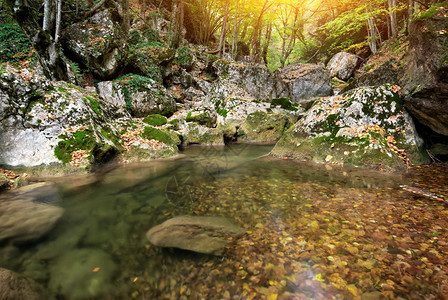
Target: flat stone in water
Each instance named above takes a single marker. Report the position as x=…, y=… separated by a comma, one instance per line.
x=23, y=218
x=202, y=234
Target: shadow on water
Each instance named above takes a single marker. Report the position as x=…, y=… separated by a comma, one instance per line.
x=312, y=231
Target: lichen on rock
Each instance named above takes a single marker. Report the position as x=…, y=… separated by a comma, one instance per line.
x=364, y=127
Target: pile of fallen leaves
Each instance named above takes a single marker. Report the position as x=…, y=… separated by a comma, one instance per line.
x=77, y=157
x=308, y=240
x=8, y=173
x=131, y=137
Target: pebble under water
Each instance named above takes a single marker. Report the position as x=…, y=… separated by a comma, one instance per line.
x=312, y=232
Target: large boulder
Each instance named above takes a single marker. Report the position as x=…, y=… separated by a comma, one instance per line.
x=14, y=286
x=304, y=83
x=201, y=234
x=140, y=95
x=244, y=81
x=194, y=133
x=27, y=213
x=379, y=73
x=41, y=120
x=342, y=65
x=261, y=127
x=363, y=127
x=425, y=78
x=97, y=43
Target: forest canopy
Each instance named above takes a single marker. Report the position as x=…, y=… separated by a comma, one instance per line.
x=273, y=32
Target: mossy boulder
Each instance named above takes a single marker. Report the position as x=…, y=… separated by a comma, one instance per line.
x=198, y=134
x=202, y=116
x=43, y=122
x=364, y=127
x=139, y=95
x=163, y=136
x=155, y=120
x=263, y=127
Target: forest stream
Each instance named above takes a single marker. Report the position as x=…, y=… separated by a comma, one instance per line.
x=311, y=232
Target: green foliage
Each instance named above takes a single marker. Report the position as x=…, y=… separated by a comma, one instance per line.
x=132, y=83
x=175, y=123
x=77, y=72
x=285, y=103
x=80, y=140
x=93, y=104
x=184, y=56
x=431, y=11
x=152, y=133
x=14, y=43
x=155, y=120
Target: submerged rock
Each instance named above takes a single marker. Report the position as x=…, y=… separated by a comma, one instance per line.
x=26, y=215
x=201, y=234
x=342, y=65
x=364, y=127
x=82, y=273
x=14, y=286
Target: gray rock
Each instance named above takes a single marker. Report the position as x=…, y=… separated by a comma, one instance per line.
x=26, y=216
x=364, y=127
x=14, y=286
x=201, y=234
x=303, y=83
x=143, y=98
x=82, y=273
x=39, y=111
x=246, y=81
x=342, y=65
x=98, y=43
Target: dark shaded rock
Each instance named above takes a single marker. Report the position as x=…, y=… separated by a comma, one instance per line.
x=425, y=78
x=303, y=83
x=14, y=286
x=4, y=183
x=97, y=43
x=26, y=214
x=342, y=65
x=385, y=73
x=364, y=127
x=201, y=234
x=263, y=127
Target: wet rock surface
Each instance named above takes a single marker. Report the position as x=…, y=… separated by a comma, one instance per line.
x=28, y=213
x=206, y=235
x=14, y=286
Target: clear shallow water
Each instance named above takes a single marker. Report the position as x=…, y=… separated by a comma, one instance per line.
x=311, y=232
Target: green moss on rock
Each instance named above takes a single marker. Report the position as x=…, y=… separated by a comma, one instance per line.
x=80, y=140
x=155, y=120
x=152, y=133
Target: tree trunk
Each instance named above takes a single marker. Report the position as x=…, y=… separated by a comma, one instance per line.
x=222, y=38
x=235, y=33
x=126, y=18
x=393, y=16
x=58, y=21
x=264, y=53
x=48, y=50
